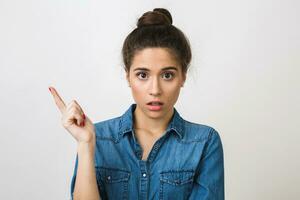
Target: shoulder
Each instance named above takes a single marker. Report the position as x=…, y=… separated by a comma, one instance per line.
x=108, y=128
x=199, y=132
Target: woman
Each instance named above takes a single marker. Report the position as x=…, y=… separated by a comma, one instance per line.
x=149, y=152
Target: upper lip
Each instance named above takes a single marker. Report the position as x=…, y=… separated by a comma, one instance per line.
x=156, y=101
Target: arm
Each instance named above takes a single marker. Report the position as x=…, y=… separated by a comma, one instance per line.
x=83, y=130
x=85, y=182
x=209, y=181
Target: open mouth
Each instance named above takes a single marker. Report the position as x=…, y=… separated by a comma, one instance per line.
x=155, y=105
x=155, y=102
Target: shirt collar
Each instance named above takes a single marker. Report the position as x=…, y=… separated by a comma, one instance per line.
x=126, y=122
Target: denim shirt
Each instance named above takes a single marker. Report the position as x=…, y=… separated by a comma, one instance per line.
x=186, y=162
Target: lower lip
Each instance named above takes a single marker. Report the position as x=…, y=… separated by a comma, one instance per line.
x=155, y=107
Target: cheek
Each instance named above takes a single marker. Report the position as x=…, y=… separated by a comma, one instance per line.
x=172, y=88
x=174, y=91
x=137, y=89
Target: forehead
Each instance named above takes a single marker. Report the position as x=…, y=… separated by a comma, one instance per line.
x=154, y=58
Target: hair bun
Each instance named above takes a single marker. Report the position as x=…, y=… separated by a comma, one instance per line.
x=159, y=16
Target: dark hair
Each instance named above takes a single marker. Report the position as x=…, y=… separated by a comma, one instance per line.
x=155, y=29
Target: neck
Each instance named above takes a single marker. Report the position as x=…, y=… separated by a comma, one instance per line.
x=155, y=126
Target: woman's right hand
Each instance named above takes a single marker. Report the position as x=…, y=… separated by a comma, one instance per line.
x=74, y=119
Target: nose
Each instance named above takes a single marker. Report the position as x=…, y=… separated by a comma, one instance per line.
x=155, y=89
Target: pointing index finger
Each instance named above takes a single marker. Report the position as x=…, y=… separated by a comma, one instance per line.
x=58, y=100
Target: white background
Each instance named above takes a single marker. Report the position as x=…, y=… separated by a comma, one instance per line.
x=243, y=81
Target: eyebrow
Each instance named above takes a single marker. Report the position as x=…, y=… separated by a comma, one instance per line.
x=163, y=69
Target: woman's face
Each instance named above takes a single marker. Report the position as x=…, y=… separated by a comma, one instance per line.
x=155, y=75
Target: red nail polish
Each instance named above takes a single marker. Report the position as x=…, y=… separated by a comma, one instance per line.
x=83, y=116
x=50, y=89
x=82, y=123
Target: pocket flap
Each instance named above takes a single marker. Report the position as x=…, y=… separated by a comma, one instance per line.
x=177, y=177
x=113, y=175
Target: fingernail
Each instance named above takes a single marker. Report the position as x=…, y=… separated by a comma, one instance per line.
x=50, y=89
x=82, y=123
x=83, y=115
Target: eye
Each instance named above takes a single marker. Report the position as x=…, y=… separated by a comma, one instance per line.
x=141, y=75
x=168, y=75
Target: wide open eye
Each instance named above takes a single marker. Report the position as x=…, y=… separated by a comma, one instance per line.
x=141, y=75
x=168, y=75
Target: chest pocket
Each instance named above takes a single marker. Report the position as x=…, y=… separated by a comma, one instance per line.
x=112, y=183
x=176, y=184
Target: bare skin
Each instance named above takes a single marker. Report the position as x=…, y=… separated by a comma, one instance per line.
x=154, y=74
x=82, y=129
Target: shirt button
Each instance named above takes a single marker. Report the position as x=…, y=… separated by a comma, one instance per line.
x=144, y=174
x=108, y=178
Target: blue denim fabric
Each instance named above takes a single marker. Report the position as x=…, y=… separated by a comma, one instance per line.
x=185, y=163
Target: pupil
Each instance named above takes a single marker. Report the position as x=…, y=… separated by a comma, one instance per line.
x=167, y=76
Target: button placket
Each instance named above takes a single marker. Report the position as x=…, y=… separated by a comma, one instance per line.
x=144, y=181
